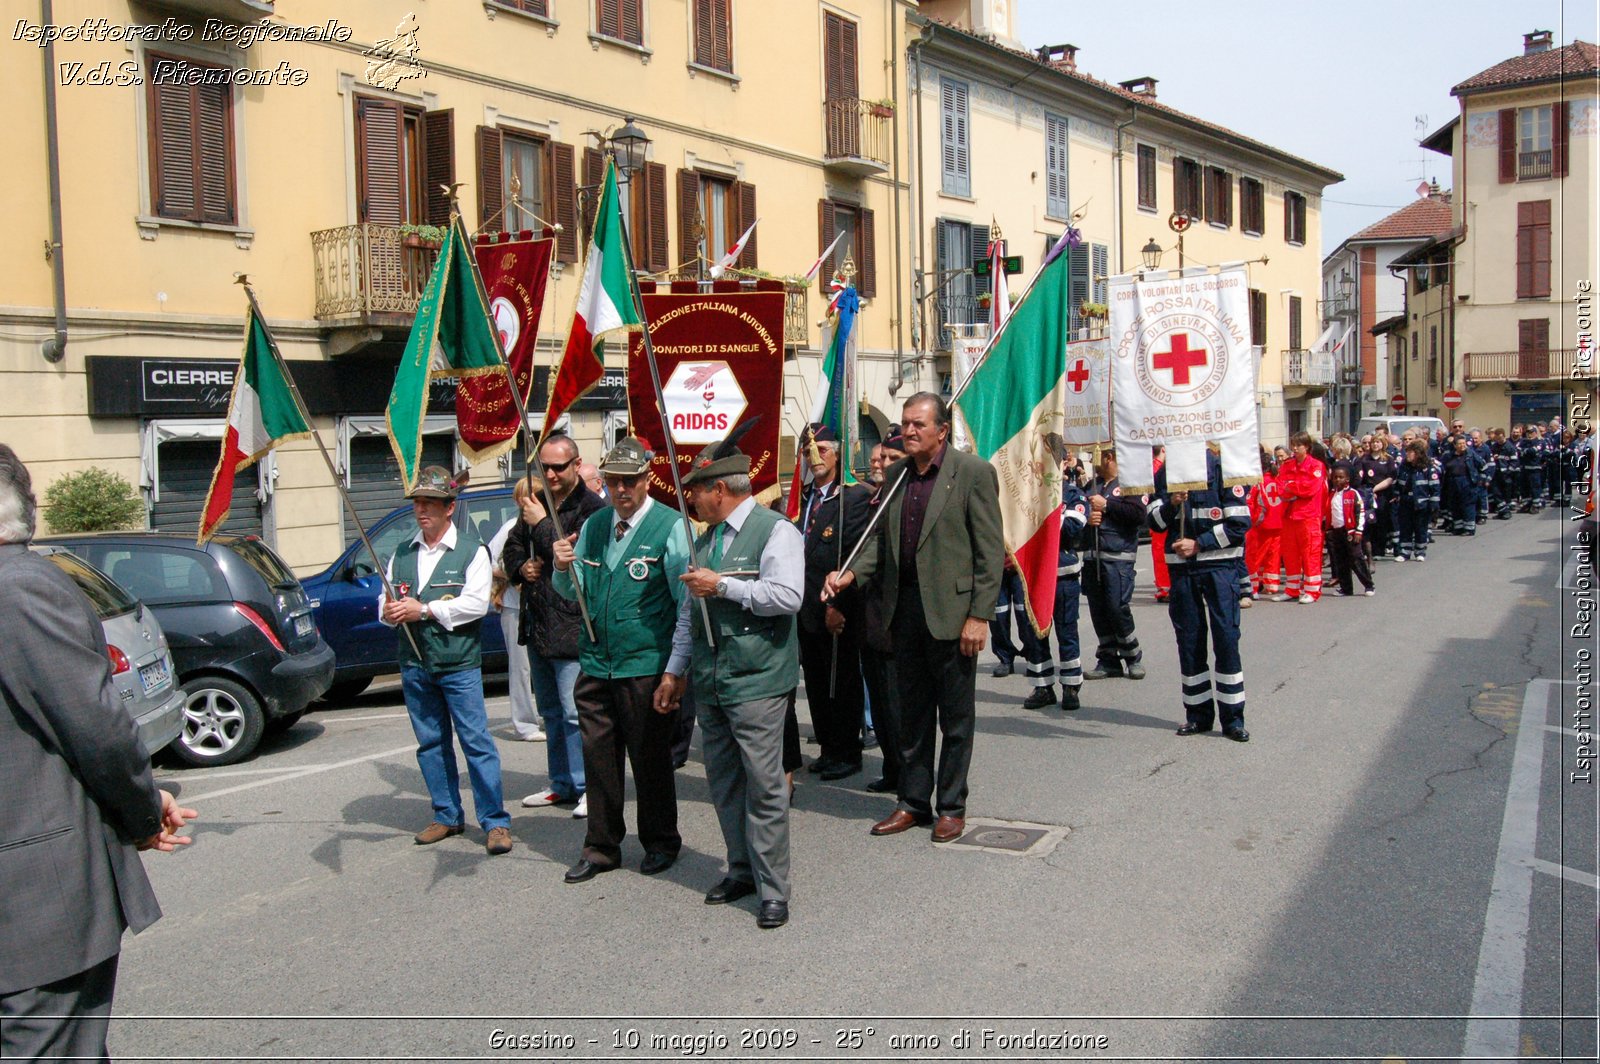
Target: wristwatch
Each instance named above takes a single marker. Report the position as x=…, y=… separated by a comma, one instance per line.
x=722, y=588
x=427, y=611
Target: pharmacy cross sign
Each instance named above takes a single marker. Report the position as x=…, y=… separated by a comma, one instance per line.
x=1179, y=360
x=1078, y=375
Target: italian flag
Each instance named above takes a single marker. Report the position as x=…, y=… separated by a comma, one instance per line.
x=1013, y=408
x=262, y=414
x=605, y=304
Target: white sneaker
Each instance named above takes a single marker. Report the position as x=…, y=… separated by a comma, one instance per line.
x=1280, y=597
x=544, y=797
x=1420, y=558
x=1369, y=592
x=536, y=736
x=582, y=810
x=1399, y=557
x=1306, y=600
x=1246, y=601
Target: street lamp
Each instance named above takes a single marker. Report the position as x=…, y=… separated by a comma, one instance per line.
x=1151, y=253
x=1347, y=286
x=628, y=145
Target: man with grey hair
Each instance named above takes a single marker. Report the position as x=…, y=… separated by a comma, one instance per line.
x=70, y=876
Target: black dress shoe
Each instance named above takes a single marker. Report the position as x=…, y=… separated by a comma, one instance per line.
x=656, y=863
x=772, y=914
x=1041, y=697
x=883, y=786
x=1192, y=729
x=819, y=764
x=1069, y=698
x=838, y=770
x=584, y=871
x=1238, y=735
x=1001, y=670
x=729, y=890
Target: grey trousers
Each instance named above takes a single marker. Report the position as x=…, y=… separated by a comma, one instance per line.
x=743, y=748
x=66, y=1018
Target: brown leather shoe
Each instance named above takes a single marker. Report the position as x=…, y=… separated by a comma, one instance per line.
x=436, y=832
x=499, y=841
x=899, y=821
x=949, y=829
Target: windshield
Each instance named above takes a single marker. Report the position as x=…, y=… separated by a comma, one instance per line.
x=108, y=599
x=260, y=558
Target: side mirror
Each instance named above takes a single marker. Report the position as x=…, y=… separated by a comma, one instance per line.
x=358, y=570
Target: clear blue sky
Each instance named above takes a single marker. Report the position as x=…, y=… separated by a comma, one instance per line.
x=1342, y=84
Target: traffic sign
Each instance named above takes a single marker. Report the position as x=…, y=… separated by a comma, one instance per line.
x=1452, y=399
x=1398, y=403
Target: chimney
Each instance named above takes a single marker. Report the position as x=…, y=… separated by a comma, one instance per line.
x=1433, y=189
x=1063, y=56
x=1535, y=42
x=1145, y=86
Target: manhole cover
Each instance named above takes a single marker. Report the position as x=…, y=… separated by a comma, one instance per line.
x=991, y=838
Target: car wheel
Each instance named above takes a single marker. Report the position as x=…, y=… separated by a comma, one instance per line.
x=222, y=722
x=279, y=725
x=345, y=690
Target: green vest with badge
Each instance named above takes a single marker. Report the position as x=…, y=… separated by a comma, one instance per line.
x=755, y=657
x=443, y=650
x=631, y=605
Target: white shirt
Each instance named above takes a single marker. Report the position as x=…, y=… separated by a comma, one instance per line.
x=511, y=597
x=471, y=604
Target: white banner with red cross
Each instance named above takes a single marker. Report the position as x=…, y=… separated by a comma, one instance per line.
x=1183, y=375
x=1088, y=392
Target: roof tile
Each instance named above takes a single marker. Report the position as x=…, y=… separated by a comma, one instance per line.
x=1425, y=218
x=1579, y=57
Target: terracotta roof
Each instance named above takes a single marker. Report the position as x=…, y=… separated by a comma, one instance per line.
x=1427, y=217
x=1069, y=69
x=1577, y=58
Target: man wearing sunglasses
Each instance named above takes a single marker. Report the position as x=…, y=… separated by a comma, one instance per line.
x=550, y=624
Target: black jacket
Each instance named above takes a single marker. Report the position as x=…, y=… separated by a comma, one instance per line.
x=823, y=541
x=548, y=623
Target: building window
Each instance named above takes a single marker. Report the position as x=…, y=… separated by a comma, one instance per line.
x=1294, y=323
x=1258, y=317
x=191, y=145
x=403, y=155
x=1294, y=218
x=1147, y=177
x=621, y=20
x=1533, y=143
x=642, y=201
x=1056, y=204
x=954, y=157
x=1533, y=348
x=1416, y=346
x=958, y=287
x=532, y=7
x=1086, y=282
x=1533, y=250
x=523, y=173
x=1433, y=354
x=1252, y=207
x=713, y=34
x=859, y=243
x=1219, y=196
x=1186, y=189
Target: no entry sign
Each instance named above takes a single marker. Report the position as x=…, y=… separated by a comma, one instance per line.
x=1398, y=403
x=1452, y=399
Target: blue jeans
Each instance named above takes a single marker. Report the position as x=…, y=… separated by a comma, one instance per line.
x=439, y=704
x=554, y=680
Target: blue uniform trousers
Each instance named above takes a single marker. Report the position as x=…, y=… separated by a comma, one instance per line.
x=1109, y=587
x=1069, y=662
x=1206, y=598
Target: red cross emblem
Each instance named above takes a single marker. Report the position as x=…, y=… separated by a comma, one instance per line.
x=1078, y=375
x=1179, y=360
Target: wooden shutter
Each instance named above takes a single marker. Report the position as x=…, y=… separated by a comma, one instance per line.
x=1055, y=168
x=1180, y=192
x=746, y=194
x=1147, y=176
x=839, y=58
x=191, y=151
x=1508, y=145
x=564, y=200
x=491, y=185
x=1099, y=263
x=689, y=228
x=439, y=163
x=381, y=185
x=867, y=245
x=712, y=33
x=171, y=135
x=1533, y=348
x=703, y=33
x=657, y=257
x=954, y=150
x=214, y=137
x=1558, y=139
x=1258, y=317
x=1533, y=249
x=594, y=172
x=630, y=24
x=608, y=17
x=1294, y=323
x=825, y=235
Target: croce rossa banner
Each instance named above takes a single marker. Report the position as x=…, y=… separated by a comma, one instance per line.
x=514, y=276
x=721, y=362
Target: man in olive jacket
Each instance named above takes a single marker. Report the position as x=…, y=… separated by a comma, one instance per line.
x=935, y=561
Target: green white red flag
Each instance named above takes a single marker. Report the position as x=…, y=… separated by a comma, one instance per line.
x=1013, y=408
x=605, y=304
x=261, y=414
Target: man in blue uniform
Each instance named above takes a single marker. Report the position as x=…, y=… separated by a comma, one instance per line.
x=1205, y=537
x=1074, y=525
x=1114, y=521
x=1508, y=474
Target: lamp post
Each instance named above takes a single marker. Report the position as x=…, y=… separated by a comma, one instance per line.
x=1151, y=253
x=628, y=145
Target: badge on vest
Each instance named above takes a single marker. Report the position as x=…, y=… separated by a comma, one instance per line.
x=402, y=589
x=444, y=598
x=827, y=533
x=639, y=568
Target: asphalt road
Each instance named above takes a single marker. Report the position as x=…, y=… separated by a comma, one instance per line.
x=1399, y=841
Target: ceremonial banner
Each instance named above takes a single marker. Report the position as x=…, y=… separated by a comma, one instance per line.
x=1183, y=374
x=1088, y=394
x=965, y=353
x=721, y=363
x=514, y=276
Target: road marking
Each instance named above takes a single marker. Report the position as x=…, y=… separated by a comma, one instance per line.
x=192, y=777
x=295, y=774
x=1503, y=954
x=1576, y=875
x=350, y=720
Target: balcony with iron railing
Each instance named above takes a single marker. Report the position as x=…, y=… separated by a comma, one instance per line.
x=369, y=274
x=1308, y=369
x=1533, y=165
x=1535, y=365
x=857, y=136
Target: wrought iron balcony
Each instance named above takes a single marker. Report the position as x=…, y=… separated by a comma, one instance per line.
x=1537, y=365
x=369, y=274
x=1308, y=369
x=796, y=322
x=1350, y=374
x=857, y=136
x=1533, y=165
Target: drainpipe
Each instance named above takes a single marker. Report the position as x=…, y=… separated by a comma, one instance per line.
x=920, y=335
x=1116, y=198
x=894, y=186
x=54, y=350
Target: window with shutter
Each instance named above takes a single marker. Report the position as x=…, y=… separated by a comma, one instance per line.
x=523, y=175
x=1258, y=318
x=491, y=177
x=532, y=7
x=1056, y=202
x=594, y=172
x=621, y=20
x=867, y=247
x=439, y=163
x=1533, y=348
x=380, y=162
x=1147, y=177
x=1433, y=354
x=713, y=34
x=719, y=213
x=1252, y=207
x=1219, y=196
x=691, y=229
x=1294, y=323
x=1508, y=145
x=1561, y=118
x=655, y=192
x=746, y=195
x=191, y=147
x=1294, y=218
x=1533, y=250
x=954, y=122
x=958, y=288
x=563, y=190
x=1099, y=262
x=840, y=65
x=1186, y=188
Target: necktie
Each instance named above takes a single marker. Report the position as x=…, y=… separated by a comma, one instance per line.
x=716, y=546
x=622, y=530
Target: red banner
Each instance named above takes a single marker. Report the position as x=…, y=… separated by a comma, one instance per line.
x=721, y=363
x=514, y=276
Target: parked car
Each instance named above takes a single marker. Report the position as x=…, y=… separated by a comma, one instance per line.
x=345, y=595
x=241, y=632
x=141, y=664
x=1398, y=425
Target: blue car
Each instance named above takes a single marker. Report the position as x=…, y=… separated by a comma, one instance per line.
x=344, y=596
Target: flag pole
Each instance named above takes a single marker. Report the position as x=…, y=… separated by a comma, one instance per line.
x=294, y=390
x=530, y=453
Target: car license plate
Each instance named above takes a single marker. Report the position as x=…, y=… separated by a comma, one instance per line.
x=155, y=676
x=303, y=624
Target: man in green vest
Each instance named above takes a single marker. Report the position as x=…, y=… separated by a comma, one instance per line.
x=442, y=577
x=628, y=557
x=751, y=587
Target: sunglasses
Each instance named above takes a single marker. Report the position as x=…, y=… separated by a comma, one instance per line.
x=562, y=467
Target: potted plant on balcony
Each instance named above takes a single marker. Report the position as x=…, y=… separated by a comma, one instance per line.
x=1093, y=310
x=880, y=108
x=430, y=237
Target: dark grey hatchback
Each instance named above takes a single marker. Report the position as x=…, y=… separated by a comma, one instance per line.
x=242, y=635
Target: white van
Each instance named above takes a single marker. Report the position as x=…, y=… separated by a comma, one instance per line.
x=1398, y=424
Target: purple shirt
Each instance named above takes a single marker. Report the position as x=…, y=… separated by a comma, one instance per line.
x=919, y=489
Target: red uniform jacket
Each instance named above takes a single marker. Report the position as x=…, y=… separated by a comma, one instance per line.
x=1305, y=489
x=1266, y=505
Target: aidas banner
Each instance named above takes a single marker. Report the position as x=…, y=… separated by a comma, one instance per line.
x=721, y=363
x=514, y=276
x=1183, y=375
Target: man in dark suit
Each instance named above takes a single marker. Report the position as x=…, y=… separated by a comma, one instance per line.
x=70, y=876
x=936, y=562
